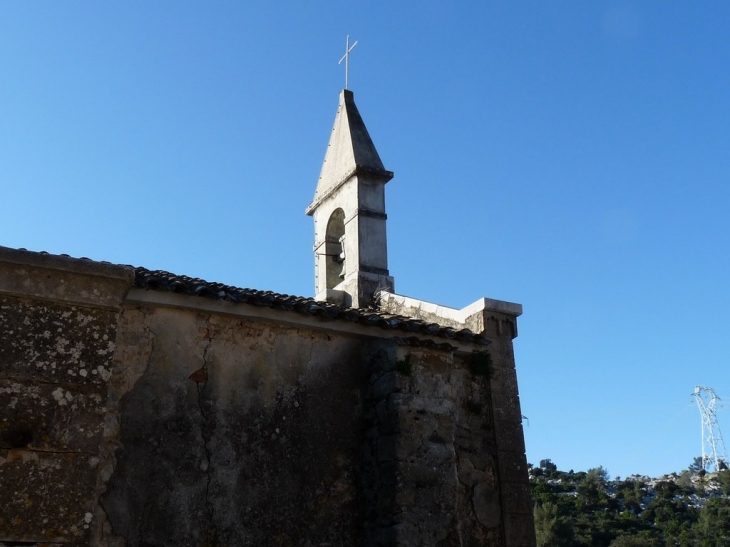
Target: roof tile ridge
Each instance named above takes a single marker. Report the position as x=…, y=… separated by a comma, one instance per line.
x=166, y=281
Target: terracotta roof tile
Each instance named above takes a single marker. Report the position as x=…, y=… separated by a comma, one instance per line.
x=159, y=280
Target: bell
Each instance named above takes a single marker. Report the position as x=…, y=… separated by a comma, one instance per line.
x=341, y=258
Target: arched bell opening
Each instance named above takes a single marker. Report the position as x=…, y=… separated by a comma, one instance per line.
x=335, y=248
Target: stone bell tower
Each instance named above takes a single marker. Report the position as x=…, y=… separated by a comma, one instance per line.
x=350, y=248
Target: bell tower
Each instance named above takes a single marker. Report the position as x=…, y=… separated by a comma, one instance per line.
x=350, y=247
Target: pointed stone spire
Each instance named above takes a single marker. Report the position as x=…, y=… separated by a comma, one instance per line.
x=349, y=214
x=350, y=151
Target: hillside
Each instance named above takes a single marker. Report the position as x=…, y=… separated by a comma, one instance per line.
x=689, y=509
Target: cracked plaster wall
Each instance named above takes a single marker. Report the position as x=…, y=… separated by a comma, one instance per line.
x=284, y=436
x=265, y=451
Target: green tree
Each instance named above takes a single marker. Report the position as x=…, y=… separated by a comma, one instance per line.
x=585, y=509
x=697, y=465
x=546, y=524
x=631, y=494
x=685, y=479
x=723, y=477
x=642, y=539
x=592, y=488
x=671, y=512
x=548, y=467
x=713, y=525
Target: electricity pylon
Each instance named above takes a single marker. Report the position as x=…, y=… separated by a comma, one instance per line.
x=713, y=447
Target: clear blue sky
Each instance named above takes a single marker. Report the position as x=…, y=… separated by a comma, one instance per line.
x=569, y=156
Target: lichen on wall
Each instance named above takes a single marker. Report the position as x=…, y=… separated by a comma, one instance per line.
x=55, y=363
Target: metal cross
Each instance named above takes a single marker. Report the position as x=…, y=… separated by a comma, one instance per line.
x=346, y=58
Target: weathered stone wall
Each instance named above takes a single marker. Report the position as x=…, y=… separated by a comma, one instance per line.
x=129, y=422
x=516, y=503
x=264, y=449
x=57, y=330
x=56, y=362
x=505, y=443
x=433, y=455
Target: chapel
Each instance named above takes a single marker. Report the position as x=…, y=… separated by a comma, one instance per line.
x=144, y=408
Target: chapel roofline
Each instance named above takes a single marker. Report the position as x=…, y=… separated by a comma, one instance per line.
x=135, y=281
